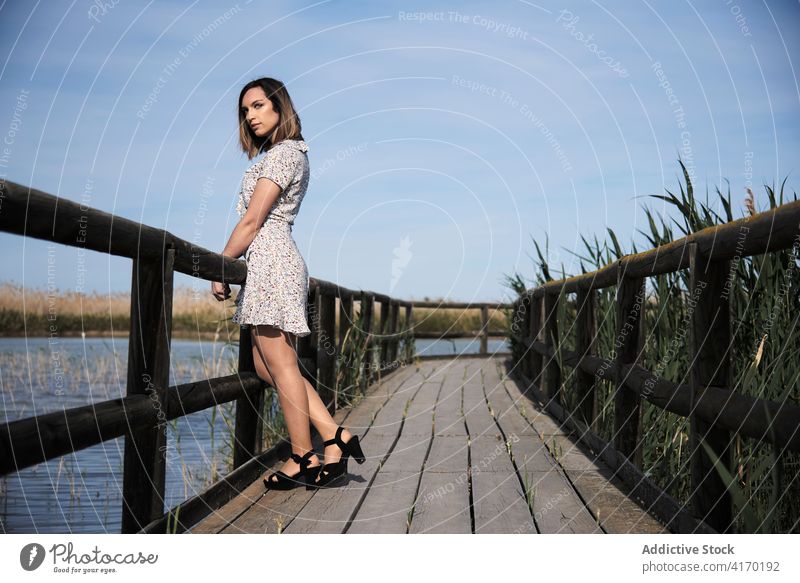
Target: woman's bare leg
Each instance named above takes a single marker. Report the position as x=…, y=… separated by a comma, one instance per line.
x=319, y=414
x=278, y=356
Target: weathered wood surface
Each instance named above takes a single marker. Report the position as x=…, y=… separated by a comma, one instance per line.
x=451, y=446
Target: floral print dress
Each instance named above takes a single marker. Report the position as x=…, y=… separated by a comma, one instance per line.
x=276, y=290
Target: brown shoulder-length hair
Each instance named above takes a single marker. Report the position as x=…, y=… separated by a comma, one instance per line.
x=288, y=127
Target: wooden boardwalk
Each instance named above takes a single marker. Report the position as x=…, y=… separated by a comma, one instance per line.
x=452, y=446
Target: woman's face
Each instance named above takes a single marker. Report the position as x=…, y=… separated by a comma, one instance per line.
x=258, y=112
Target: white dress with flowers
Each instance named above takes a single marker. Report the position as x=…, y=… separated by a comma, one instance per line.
x=276, y=290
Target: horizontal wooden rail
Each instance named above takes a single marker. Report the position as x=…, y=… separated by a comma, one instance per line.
x=30, y=441
x=33, y=213
x=772, y=230
x=760, y=419
x=462, y=305
x=453, y=335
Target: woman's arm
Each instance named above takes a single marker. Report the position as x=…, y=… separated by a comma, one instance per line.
x=264, y=196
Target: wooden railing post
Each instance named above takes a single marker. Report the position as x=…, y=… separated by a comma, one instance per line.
x=520, y=326
x=585, y=334
x=345, y=325
x=384, y=329
x=249, y=420
x=307, y=345
x=535, y=334
x=409, y=328
x=345, y=319
x=326, y=350
x=367, y=304
x=145, y=454
x=394, y=313
x=552, y=371
x=629, y=339
x=710, y=366
x=484, y=330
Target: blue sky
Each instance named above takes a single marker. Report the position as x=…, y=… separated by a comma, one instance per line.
x=442, y=137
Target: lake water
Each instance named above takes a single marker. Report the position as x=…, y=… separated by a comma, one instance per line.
x=82, y=492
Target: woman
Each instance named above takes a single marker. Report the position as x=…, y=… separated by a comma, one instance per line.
x=272, y=302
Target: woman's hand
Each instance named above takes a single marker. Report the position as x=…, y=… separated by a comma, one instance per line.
x=221, y=291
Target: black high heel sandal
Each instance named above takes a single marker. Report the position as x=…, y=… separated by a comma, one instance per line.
x=305, y=477
x=331, y=472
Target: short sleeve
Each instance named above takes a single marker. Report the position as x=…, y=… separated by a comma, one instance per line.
x=280, y=165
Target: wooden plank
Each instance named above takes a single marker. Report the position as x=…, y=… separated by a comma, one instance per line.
x=388, y=419
x=538, y=468
x=409, y=452
x=448, y=454
x=497, y=497
x=530, y=455
x=668, y=510
x=386, y=508
x=557, y=508
x=476, y=411
x=499, y=504
x=365, y=410
x=219, y=519
x=270, y=512
x=608, y=499
x=504, y=408
x=448, y=419
x=443, y=502
x=658, y=502
x=572, y=455
x=419, y=417
x=387, y=503
x=541, y=421
x=489, y=453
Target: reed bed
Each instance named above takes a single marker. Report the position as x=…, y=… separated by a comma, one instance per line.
x=765, y=300
x=31, y=311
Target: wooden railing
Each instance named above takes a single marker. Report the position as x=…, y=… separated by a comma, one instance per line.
x=484, y=333
x=714, y=409
x=141, y=415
